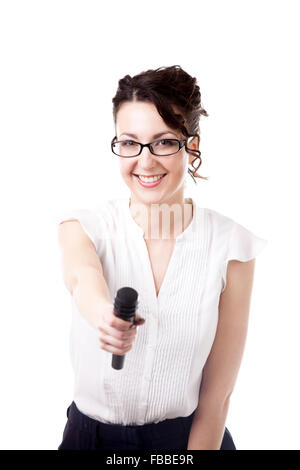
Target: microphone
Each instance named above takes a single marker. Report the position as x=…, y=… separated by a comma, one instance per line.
x=125, y=305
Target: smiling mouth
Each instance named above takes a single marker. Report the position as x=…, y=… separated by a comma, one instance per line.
x=150, y=176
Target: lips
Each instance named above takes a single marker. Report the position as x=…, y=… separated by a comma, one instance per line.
x=150, y=176
x=149, y=184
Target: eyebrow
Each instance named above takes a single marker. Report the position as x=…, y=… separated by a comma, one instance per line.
x=155, y=136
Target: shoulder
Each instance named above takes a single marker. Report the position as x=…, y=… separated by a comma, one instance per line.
x=107, y=212
x=220, y=226
x=233, y=242
x=217, y=217
x=98, y=222
x=238, y=239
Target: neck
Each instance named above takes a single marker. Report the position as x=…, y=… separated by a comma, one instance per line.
x=164, y=220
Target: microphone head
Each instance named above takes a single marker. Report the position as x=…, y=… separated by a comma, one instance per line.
x=127, y=295
x=125, y=303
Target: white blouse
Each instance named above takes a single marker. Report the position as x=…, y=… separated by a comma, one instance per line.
x=162, y=372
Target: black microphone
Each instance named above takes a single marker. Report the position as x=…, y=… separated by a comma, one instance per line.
x=125, y=305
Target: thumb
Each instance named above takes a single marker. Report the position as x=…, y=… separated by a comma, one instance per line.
x=139, y=320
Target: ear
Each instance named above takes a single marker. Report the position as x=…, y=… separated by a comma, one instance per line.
x=193, y=144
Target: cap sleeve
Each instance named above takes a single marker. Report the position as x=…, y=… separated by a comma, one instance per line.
x=88, y=221
x=243, y=245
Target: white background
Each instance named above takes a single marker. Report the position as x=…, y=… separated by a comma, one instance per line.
x=60, y=66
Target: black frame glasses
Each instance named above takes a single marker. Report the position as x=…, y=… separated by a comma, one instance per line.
x=180, y=145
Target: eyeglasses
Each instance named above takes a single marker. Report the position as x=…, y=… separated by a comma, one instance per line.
x=161, y=147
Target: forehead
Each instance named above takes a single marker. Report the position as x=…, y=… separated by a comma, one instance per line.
x=132, y=113
x=142, y=119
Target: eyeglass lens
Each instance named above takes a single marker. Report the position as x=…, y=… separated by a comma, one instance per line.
x=128, y=148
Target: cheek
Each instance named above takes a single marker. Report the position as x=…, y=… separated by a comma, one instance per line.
x=125, y=170
x=180, y=167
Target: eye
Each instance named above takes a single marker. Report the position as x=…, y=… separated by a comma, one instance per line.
x=167, y=143
x=126, y=143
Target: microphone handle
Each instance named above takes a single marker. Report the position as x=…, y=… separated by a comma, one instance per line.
x=125, y=305
x=117, y=361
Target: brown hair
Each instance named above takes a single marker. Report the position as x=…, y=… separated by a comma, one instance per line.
x=164, y=87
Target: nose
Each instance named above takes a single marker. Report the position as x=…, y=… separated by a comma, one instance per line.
x=146, y=158
x=146, y=151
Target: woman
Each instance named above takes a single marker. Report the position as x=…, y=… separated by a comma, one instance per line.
x=193, y=272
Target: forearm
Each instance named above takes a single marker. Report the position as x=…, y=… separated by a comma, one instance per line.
x=90, y=292
x=208, y=428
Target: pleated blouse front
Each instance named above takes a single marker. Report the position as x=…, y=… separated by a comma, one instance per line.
x=162, y=372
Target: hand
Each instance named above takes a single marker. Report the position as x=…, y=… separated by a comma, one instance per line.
x=116, y=335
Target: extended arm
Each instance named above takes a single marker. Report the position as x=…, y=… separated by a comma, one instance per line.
x=223, y=363
x=82, y=271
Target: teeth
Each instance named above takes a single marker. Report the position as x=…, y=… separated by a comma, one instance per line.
x=151, y=179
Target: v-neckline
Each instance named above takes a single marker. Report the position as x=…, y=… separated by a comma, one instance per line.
x=178, y=240
x=167, y=273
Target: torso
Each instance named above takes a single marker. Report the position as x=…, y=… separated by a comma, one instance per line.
x=160, y=253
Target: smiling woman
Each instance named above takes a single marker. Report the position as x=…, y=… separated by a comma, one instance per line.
x=176, y=98
x=165, y=102
x=194, y=286
x=153, y=169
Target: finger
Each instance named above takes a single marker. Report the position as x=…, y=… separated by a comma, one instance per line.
x=111, y=320
x=120, y=324
x=115, y=342
x=113, y=349
x=123, y=325
x=139, y=321
x=111, y=332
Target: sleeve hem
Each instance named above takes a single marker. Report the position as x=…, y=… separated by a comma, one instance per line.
x=82, y=220
x=243, y=246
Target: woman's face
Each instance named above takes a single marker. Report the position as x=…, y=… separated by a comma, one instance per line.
x=143, y=121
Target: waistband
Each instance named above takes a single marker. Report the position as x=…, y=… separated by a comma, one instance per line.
x=148, y=430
